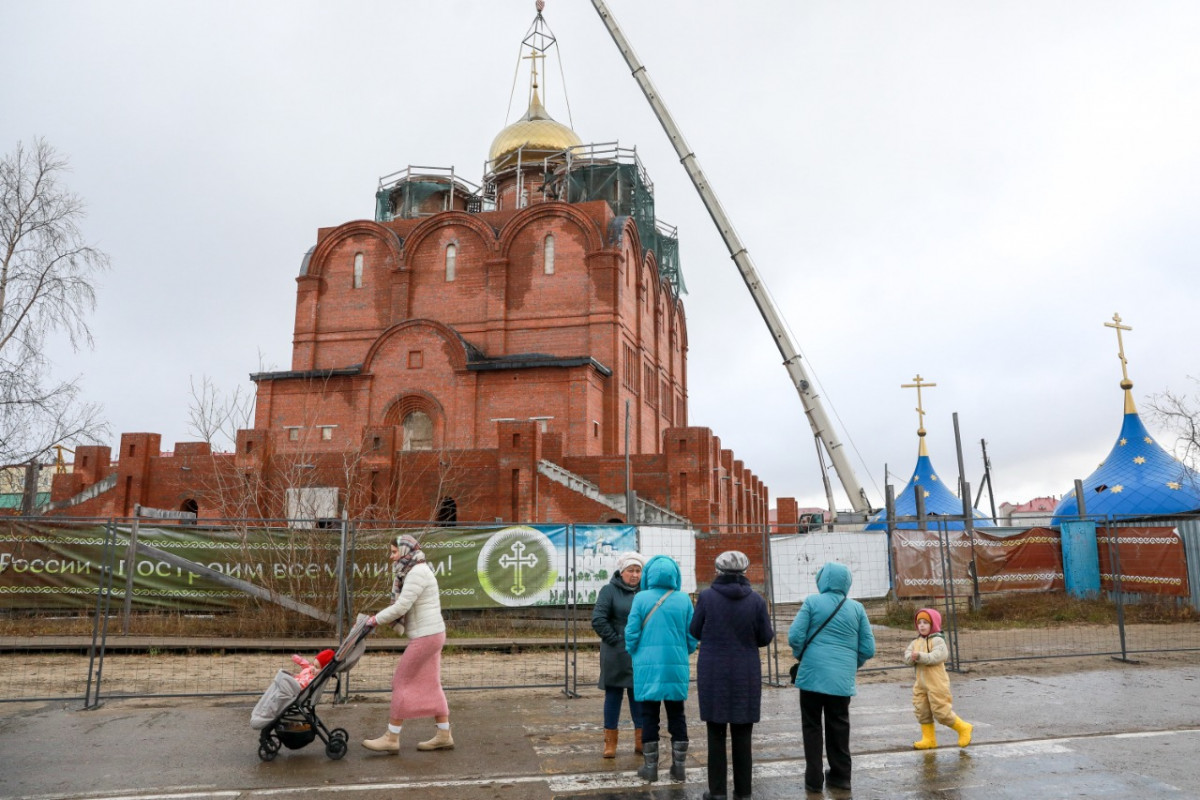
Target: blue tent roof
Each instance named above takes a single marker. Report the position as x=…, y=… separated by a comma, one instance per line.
x=1137, y=478
x=939, y=501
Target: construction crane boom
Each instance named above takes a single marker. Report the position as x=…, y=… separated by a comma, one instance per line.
x=817, y=418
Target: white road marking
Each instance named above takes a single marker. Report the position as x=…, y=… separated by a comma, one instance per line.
x=592, y=781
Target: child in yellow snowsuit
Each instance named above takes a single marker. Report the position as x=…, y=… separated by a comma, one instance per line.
x=931, y=689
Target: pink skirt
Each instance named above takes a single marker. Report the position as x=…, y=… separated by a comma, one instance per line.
x=417, y=681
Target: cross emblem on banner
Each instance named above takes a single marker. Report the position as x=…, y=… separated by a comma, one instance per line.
x=518, y=560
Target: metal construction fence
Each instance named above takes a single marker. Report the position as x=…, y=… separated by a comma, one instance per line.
x=102, y=609
x=1098, y=586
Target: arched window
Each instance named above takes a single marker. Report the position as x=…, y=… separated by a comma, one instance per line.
x=447, y=513
x=358, y=270
x=451, y=258
x=418, y=431
x=548, y=254
x=191, y=506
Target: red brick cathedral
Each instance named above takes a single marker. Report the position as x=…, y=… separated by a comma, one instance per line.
x=514, y=350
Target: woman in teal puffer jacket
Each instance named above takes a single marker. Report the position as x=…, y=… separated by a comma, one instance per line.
x=657, y=638
x=827, y=671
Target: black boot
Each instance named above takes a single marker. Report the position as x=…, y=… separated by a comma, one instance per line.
x=678, y=757
x=649, y=770
x=708, y=796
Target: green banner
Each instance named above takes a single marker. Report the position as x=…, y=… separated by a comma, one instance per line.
x=48, y=567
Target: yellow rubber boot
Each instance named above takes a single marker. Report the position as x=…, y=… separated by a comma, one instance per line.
x=963, y=729
x=928, y=738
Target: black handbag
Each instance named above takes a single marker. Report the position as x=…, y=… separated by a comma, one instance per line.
x=796, y=667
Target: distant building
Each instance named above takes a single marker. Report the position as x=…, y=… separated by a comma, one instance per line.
x=1037, y=512
x=12, y=488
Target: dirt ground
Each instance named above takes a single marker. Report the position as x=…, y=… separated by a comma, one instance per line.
x=1051, y=651
x=1022, y=652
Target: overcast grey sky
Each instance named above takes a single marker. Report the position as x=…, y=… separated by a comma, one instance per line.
x=962, y=190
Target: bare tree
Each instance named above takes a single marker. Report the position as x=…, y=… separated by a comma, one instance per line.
x=46, y=287
x=1180, y=413
x=216, y=415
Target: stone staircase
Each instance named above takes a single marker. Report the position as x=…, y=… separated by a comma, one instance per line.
x=646, y=512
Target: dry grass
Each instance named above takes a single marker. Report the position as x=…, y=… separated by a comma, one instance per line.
x=1040, y=610
x=248, y=619
x=254, y=620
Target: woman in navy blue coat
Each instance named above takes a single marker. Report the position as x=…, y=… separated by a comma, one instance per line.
x=731, y=623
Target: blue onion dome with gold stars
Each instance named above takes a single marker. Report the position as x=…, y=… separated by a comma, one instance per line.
x=1139, y=477
x=939, y=500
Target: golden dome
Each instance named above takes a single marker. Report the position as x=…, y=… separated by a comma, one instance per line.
x=536, y=132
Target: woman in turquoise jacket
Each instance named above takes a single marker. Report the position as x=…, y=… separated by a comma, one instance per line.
x=657, y=638
x=827, y=670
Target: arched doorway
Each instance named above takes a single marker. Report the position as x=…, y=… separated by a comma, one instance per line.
x=447, y=513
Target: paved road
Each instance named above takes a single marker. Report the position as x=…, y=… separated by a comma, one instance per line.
x=1128, y=732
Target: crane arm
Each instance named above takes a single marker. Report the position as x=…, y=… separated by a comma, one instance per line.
x=817, y=418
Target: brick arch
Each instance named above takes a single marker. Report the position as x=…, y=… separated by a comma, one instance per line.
x=527, y=216
x=410, y=400
x=451, y=219
x=653, y=277
x=320, y=256
x=457, y=351
x=625, y=230
x=677, y=316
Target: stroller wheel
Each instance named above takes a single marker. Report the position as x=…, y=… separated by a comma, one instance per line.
x=339, y=733
x=268, y=748
x=336, y=748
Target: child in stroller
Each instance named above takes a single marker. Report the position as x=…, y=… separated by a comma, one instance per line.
x=286, y=714
x=308, y=669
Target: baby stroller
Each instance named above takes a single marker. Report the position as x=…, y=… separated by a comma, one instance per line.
x=286, y=714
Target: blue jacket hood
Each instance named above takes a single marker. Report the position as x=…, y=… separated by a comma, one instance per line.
x=834, y=577
x=661, y=572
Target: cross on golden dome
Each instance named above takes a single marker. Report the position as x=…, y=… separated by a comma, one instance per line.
x=533, y=56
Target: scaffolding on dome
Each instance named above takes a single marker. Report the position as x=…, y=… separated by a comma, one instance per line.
x=415, y=192
x=616, y=175
x=577, y=175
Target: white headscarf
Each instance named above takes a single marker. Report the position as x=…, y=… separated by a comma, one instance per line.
x=629, y=559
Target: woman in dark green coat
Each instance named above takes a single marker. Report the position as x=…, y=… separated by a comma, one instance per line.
x=609, y=616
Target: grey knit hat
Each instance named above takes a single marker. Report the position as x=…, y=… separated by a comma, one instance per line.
x=732, y=561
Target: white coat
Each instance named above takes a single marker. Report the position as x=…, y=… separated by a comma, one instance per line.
x=419, y=602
